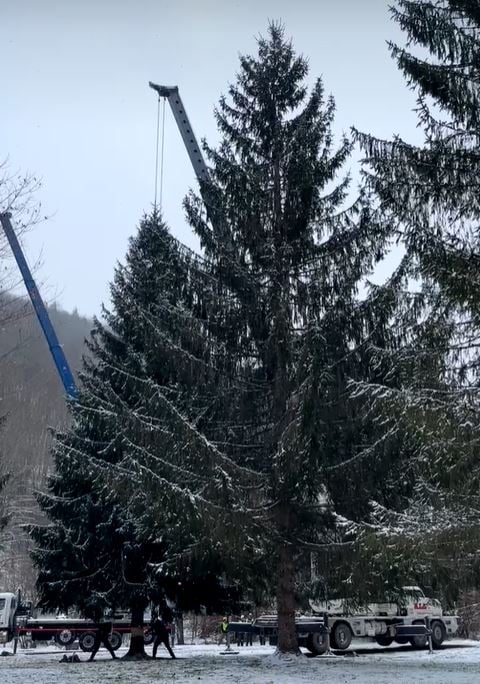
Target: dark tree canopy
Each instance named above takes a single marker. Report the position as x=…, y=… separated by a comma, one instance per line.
x=431, y=193
x=95, y=554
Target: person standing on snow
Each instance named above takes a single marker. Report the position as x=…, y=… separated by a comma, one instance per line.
x=223, y=629
x=249, y=635
x=160, y=630
x=104, y=629
x=241, y=635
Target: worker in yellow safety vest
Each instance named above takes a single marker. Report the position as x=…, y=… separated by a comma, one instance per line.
x=223, y=629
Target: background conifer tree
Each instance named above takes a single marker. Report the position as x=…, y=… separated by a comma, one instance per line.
x=433, y=188
x=431, y=192
x=94, y=553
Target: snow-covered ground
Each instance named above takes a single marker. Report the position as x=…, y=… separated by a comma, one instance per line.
x=457, y=663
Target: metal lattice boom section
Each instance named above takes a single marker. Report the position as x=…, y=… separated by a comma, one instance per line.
x=193, y=148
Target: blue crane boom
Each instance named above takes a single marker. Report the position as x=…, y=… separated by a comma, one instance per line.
x=56, y=350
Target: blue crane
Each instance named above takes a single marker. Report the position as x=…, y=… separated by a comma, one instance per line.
x=59, y=358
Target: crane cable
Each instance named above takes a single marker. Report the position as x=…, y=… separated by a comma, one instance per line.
x=161, y=155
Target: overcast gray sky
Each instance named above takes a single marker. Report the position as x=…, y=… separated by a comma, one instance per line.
x=76, y=108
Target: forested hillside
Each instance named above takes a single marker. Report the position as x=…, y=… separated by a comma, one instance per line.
x=31, y=402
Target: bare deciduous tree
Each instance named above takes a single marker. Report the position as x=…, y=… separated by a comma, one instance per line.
x=18, y=197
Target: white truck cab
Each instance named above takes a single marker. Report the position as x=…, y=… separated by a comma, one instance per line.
x=8, y=607
x=416, y=603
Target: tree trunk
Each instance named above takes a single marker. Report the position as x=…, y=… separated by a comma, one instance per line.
x=287, y=638
x=179, y=630
x=137, y=645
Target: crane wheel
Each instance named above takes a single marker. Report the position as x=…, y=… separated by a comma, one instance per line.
x=438, y=633
x=341, y=636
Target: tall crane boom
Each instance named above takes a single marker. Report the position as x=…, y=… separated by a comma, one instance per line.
x=56, y=350
x=203, y=174
x=194, y=151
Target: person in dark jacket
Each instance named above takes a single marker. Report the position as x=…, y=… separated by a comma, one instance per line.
x=162, y=636
x=102, y=634
x=249, y=635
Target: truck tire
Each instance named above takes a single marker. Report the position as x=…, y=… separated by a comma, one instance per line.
x=384, y=640
x=65, y=637
x=438, y=633
x=115, y=640
x=341, y=636
x=401, y=640
x=86, y=640
x=418, y=641
x=317, y=643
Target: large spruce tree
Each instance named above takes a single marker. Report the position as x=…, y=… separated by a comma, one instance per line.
x=248, y=443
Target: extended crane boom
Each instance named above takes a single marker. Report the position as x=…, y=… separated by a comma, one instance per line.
x=56, y=350
x=204, y=178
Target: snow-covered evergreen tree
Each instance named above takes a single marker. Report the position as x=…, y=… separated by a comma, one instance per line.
x=247, y=443
x=431, y=192
x=84, y=556
x=433, y=188
x=94, y=554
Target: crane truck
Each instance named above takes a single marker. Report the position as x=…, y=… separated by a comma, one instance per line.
x=412, y=619
x=15, y=618
x=415, y=619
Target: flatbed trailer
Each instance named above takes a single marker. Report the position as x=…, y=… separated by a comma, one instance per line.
x=17, y=622
x=65, y=631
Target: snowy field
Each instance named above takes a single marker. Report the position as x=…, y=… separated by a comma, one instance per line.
x=457, y=663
